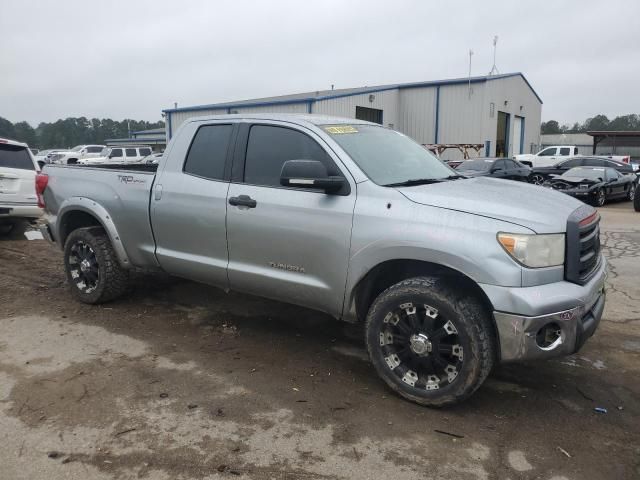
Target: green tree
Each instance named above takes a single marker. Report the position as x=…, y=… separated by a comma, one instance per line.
x=550, y=127
x=6, y=129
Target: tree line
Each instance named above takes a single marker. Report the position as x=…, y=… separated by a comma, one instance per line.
x=68, y=132
x=599, y=122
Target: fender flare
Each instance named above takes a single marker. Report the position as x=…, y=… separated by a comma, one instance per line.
x=93, y=208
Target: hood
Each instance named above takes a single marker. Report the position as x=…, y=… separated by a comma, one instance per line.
x=524, y=156
x=539, y=209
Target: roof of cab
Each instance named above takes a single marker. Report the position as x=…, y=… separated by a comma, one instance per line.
x=8, y=141
x=299, y=118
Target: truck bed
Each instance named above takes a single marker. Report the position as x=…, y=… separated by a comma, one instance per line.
x=123, y=191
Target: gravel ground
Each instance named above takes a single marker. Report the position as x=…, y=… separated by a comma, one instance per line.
x=182, y=381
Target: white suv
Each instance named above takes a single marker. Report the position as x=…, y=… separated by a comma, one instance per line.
x=18, y=199
x=77, y=153
x=116, y=155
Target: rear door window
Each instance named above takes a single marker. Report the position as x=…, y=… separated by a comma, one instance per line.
x=145, y=151
x=116, y=152
x=131, y=152
x=207, y=155
x=12, y=156
x=574, y=162
x=94, y=149
x=565, y=151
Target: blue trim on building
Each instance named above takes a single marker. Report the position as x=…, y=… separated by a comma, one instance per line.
x=362, y=91
x=437, y=122
x=310, y=107
x=169, y=126
x=487, y=148
x=521, y=135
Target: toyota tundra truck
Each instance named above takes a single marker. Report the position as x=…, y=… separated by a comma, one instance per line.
x=449, y=275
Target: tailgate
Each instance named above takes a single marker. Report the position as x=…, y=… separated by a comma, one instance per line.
x=17, y=175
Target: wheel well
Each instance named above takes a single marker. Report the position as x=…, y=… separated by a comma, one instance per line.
x=74, y=220
x=388, y=273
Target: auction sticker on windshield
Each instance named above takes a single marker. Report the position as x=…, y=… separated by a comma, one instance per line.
x=337, y=129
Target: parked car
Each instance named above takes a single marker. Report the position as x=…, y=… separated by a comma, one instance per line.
x=79, y=152
x=44, y=156
x=119, y=155
x=18, y=198
x=552, y=155
x=540, y=174
x=448, y=274
x=594, y=185
x=504, y=168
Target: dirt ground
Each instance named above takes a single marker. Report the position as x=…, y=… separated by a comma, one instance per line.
x=182, y=381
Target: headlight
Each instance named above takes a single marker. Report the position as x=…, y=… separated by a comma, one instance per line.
x=534, y=251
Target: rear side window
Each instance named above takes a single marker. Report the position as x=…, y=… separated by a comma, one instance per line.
x=116, y=152
x=565, y=151
x=208, y=152
x=131, y=152
x=12, y=156
x=593, y=162
x=269, y=147
x=94, y=149
x=145, y=151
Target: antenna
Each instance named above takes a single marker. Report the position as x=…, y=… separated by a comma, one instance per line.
x=470, y=55
x=494, y=69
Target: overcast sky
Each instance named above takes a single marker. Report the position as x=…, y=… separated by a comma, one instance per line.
x=131, y=59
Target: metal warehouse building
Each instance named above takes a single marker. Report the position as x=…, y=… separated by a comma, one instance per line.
x=501, y=112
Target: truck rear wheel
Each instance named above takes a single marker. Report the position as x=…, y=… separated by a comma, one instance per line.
x=92, y=268
x=430, y=344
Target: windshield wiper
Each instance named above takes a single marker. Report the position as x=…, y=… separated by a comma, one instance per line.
x=423, y=181
x=415, y=181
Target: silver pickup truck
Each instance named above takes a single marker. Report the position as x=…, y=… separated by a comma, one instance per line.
x=449, y=274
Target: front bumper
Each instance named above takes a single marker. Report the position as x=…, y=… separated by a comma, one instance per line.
x=575, y=312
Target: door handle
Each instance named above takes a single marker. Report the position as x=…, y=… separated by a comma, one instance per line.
x=243, y=201
x=158, y=192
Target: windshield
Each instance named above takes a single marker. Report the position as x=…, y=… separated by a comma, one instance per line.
x=387, y=157
x=105, y=152
x=77, y=148
x=586, y=173
x=480, y=165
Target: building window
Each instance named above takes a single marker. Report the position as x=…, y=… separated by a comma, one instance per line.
x=369, y=114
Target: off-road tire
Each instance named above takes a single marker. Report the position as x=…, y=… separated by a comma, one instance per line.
x=475, y=333
x=112, y=280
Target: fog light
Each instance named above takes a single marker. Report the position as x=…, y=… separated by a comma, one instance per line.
x=549, y=336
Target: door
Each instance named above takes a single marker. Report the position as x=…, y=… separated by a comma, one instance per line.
x=189, y=204
x=17, y=177
x=518, y=135
x=616, y=185
x=116, y=156
x=131, y=155
x=498, y=170
x=291, y=244
x=502, y=135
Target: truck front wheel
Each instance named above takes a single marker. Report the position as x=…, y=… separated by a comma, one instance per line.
x=92, y=268
x=430, y=344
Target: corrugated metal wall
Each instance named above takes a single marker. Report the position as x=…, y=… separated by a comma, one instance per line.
x=462, y=118
x=387, y=101
x=417, y=117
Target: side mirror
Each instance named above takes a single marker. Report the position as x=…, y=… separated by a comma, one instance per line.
x=309, y=174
